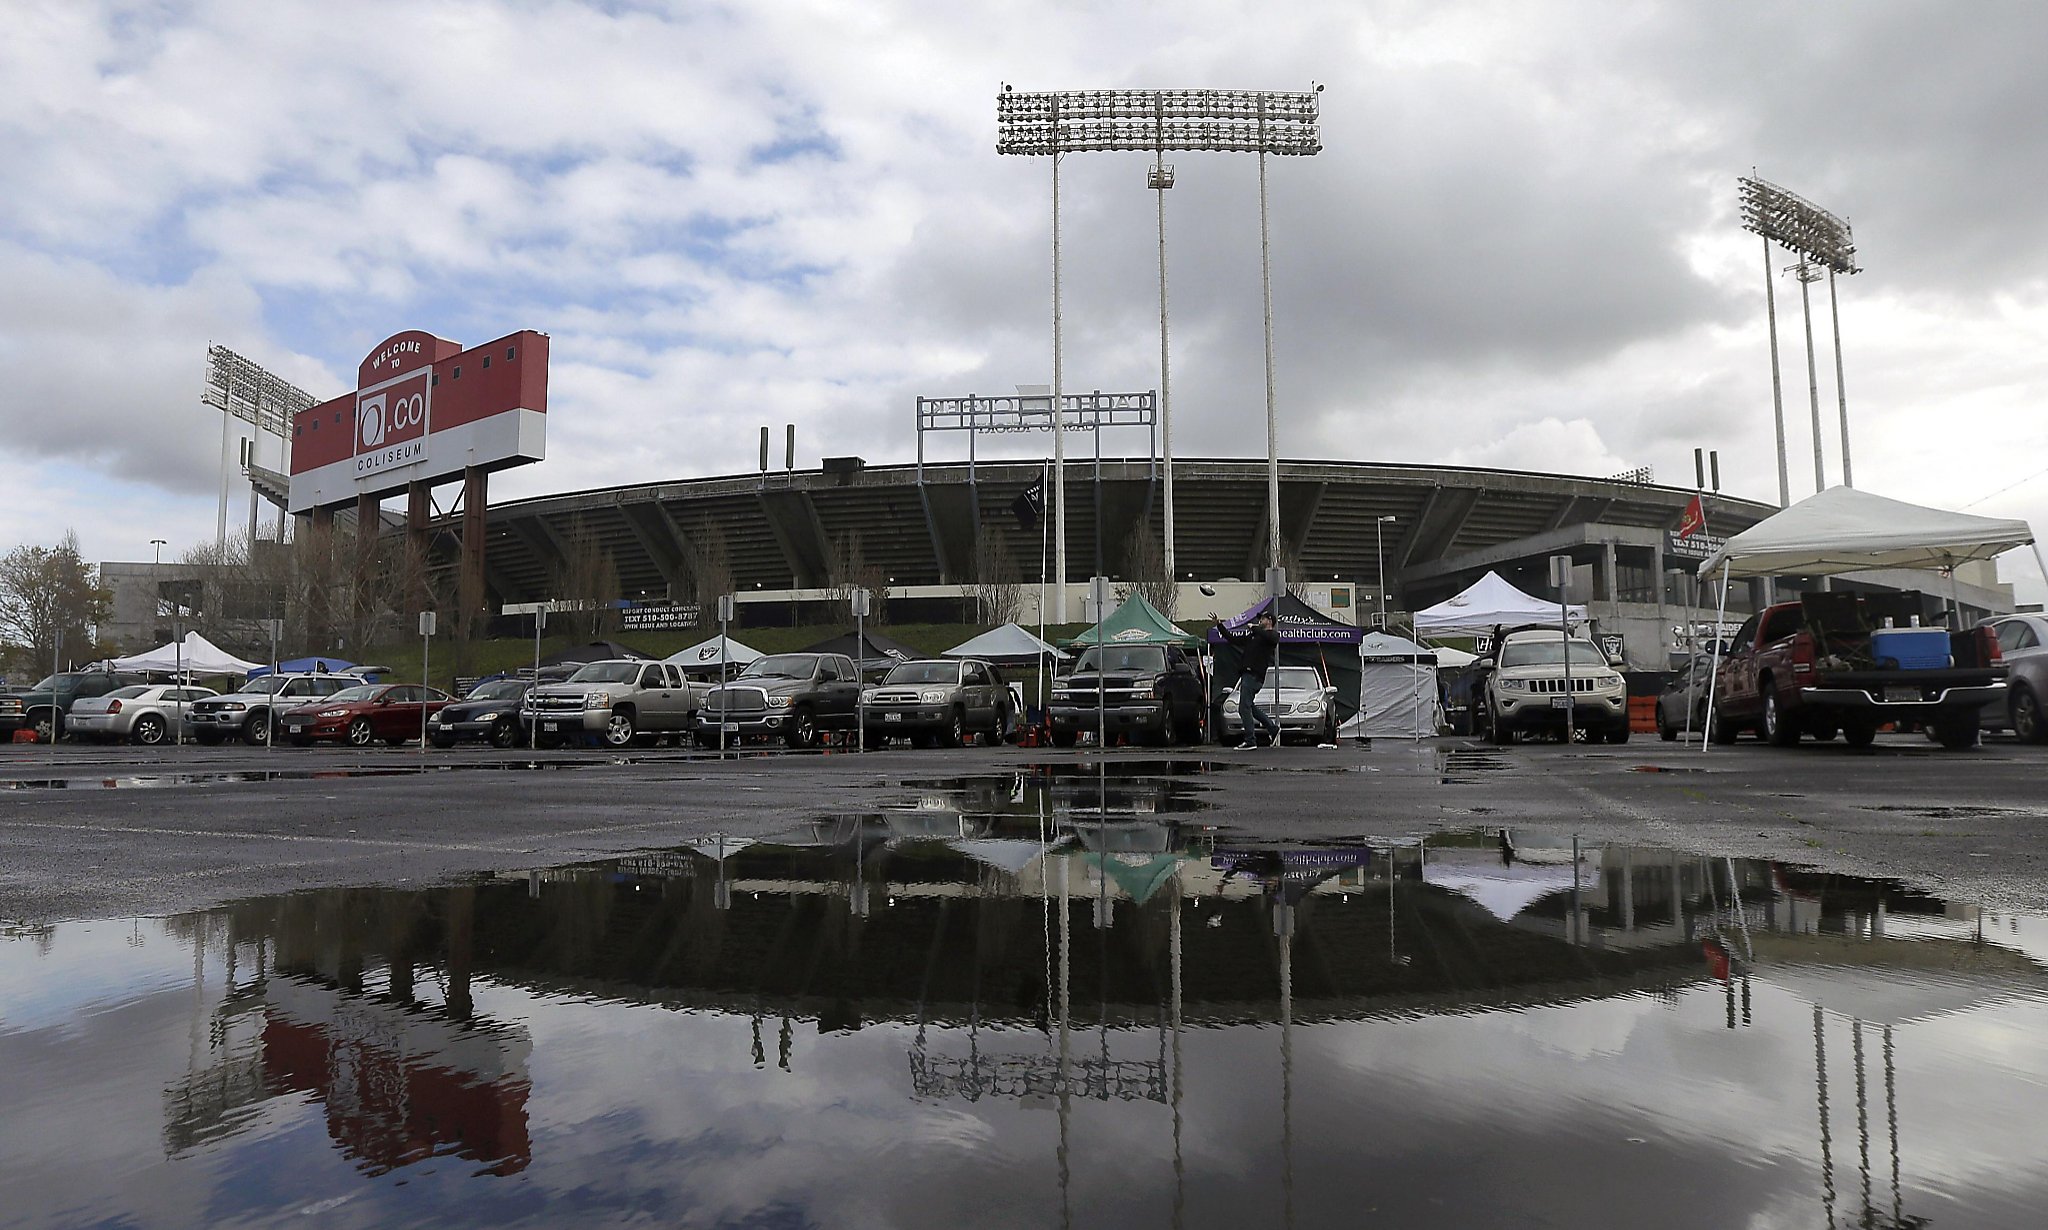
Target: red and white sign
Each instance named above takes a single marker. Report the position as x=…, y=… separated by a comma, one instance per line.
x=423, y=410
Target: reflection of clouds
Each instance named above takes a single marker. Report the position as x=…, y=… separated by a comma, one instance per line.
x=89, y=966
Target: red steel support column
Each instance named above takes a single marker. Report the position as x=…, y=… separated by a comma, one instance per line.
x=419, y=516
x=476, y=503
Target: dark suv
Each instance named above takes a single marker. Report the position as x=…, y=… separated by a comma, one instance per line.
x=42, y=707
x=947, y=699
x=1150, y=692
x=791, y=695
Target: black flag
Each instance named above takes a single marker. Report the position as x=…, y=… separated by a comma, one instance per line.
x=1030, y=503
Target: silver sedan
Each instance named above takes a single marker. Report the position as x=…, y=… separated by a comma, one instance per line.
x=149, y=713
x=1306, y=706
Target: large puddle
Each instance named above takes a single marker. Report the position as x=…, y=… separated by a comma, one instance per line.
x=1038, y=1003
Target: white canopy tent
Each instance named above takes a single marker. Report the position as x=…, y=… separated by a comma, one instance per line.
x=1486, y=604
x=1397, y=695
x=706, y=655
x=1008, y=643
x=1846, y=530
x=195, y=655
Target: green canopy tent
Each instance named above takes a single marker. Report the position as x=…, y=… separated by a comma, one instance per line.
x=1136, y=622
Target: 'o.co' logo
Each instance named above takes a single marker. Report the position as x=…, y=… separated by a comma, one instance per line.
x=370, y=421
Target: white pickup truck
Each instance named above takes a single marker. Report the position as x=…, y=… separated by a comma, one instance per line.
x=618, y=700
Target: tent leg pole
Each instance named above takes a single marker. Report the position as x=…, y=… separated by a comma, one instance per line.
x=1720, y=617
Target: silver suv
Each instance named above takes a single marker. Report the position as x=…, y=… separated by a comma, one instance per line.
x=1528, y=688
x=619, y=699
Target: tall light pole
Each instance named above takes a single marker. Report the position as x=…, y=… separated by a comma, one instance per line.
x=1153, y=121
x=1808, y=275
x=159, y=544
x=1379, y=565
x=1159, y=177
x=1818, y=238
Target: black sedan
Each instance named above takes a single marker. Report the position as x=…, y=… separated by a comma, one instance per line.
x=489, y=713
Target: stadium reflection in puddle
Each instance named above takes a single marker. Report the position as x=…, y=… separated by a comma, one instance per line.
x=1026, y=1008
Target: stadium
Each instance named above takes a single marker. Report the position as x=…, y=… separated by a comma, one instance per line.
x=925, y=530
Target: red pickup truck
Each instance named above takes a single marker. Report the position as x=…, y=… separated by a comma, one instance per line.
x=1813, y=667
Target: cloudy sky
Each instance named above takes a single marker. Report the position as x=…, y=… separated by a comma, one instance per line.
x=1519, y=247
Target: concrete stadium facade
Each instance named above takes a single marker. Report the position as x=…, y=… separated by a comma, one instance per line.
x=920, y=528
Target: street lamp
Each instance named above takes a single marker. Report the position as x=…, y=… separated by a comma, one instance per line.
x=1379, y=565
x=158, y=543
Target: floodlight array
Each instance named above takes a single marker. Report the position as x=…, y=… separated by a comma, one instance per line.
x=1797, y=223
x=1229, y=121
x=251, y=393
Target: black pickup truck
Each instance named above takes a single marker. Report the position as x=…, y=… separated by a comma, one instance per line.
x=1147, y=692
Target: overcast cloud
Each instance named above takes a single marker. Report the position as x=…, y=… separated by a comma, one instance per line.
x=1519, y=247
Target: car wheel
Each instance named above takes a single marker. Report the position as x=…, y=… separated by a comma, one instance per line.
x=1778, y=730
x=1619, y=734
x=2025, y=710
x=1664, y=730
x=1006, y=727
x=45, y=726
x=619, y=729
x=955, y=733
x=1859, y=734
x=1720, y=730
x=1064, y=738
x=360, y=734
x=1497, y=733
x=444, y=742
x=803, y=730
x=504, y=734
x=149, y=730
x=1956, y=733
x=256, y=731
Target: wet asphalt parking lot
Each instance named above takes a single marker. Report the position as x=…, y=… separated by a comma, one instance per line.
x=96, y=831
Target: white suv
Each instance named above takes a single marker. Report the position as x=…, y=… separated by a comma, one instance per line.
x=1526, y=688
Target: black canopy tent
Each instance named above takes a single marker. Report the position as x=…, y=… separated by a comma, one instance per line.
x=1307, y=638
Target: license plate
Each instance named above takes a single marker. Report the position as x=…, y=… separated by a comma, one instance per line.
x=892, y=717
x=551, y=727
x=1560, y=702
x=731, y=727
x=297, y=725
x=1902, y=695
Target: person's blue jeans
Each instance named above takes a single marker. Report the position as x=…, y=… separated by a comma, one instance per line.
x=1248, y=711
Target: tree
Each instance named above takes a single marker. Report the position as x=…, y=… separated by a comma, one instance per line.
x=710, y=570
x=998, y=591
x=1145, y=566
x=50, y=599
x=587, y=585
x=849, y=571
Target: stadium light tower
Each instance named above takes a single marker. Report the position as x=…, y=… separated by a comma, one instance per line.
x=1154, y=121
x=243, y=390
x=1821, y=239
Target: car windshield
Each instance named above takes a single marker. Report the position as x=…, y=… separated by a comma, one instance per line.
x=126, y=693
x=925, y=672
x=1548, y=653
x=1301, y=678
x=1122, y=658
x=264, y=686
x=781, y=666
x=607, y=672
x=55, y=681
x=498, y=689
x=366, y=692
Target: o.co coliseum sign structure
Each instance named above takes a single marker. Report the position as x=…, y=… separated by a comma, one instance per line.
x=424, y=411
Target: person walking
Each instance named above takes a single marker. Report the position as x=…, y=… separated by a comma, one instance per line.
x=1257, y=645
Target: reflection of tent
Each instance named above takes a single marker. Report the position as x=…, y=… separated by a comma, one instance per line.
x=1011, y=854
x=1846, y=530
x=1396, y=689
x=1486, y=603
x=1139, y=875
x=1008, y=645
x=1137, y=622
x=871, y=652
x=706, y=655
x=1504, y=890
x=197, y=656
x=593, y=651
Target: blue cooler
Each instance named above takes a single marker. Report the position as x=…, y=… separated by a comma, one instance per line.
x=1911, y=649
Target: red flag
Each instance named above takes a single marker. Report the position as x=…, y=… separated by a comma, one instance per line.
x=1695, y=519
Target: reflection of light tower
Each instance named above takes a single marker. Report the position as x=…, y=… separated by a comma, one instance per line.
x=1818, y=236
x=1153, y=121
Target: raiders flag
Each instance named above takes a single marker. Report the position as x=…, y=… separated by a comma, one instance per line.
x=1030, y=504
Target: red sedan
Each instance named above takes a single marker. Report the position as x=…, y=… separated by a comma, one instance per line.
x=388, y=711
